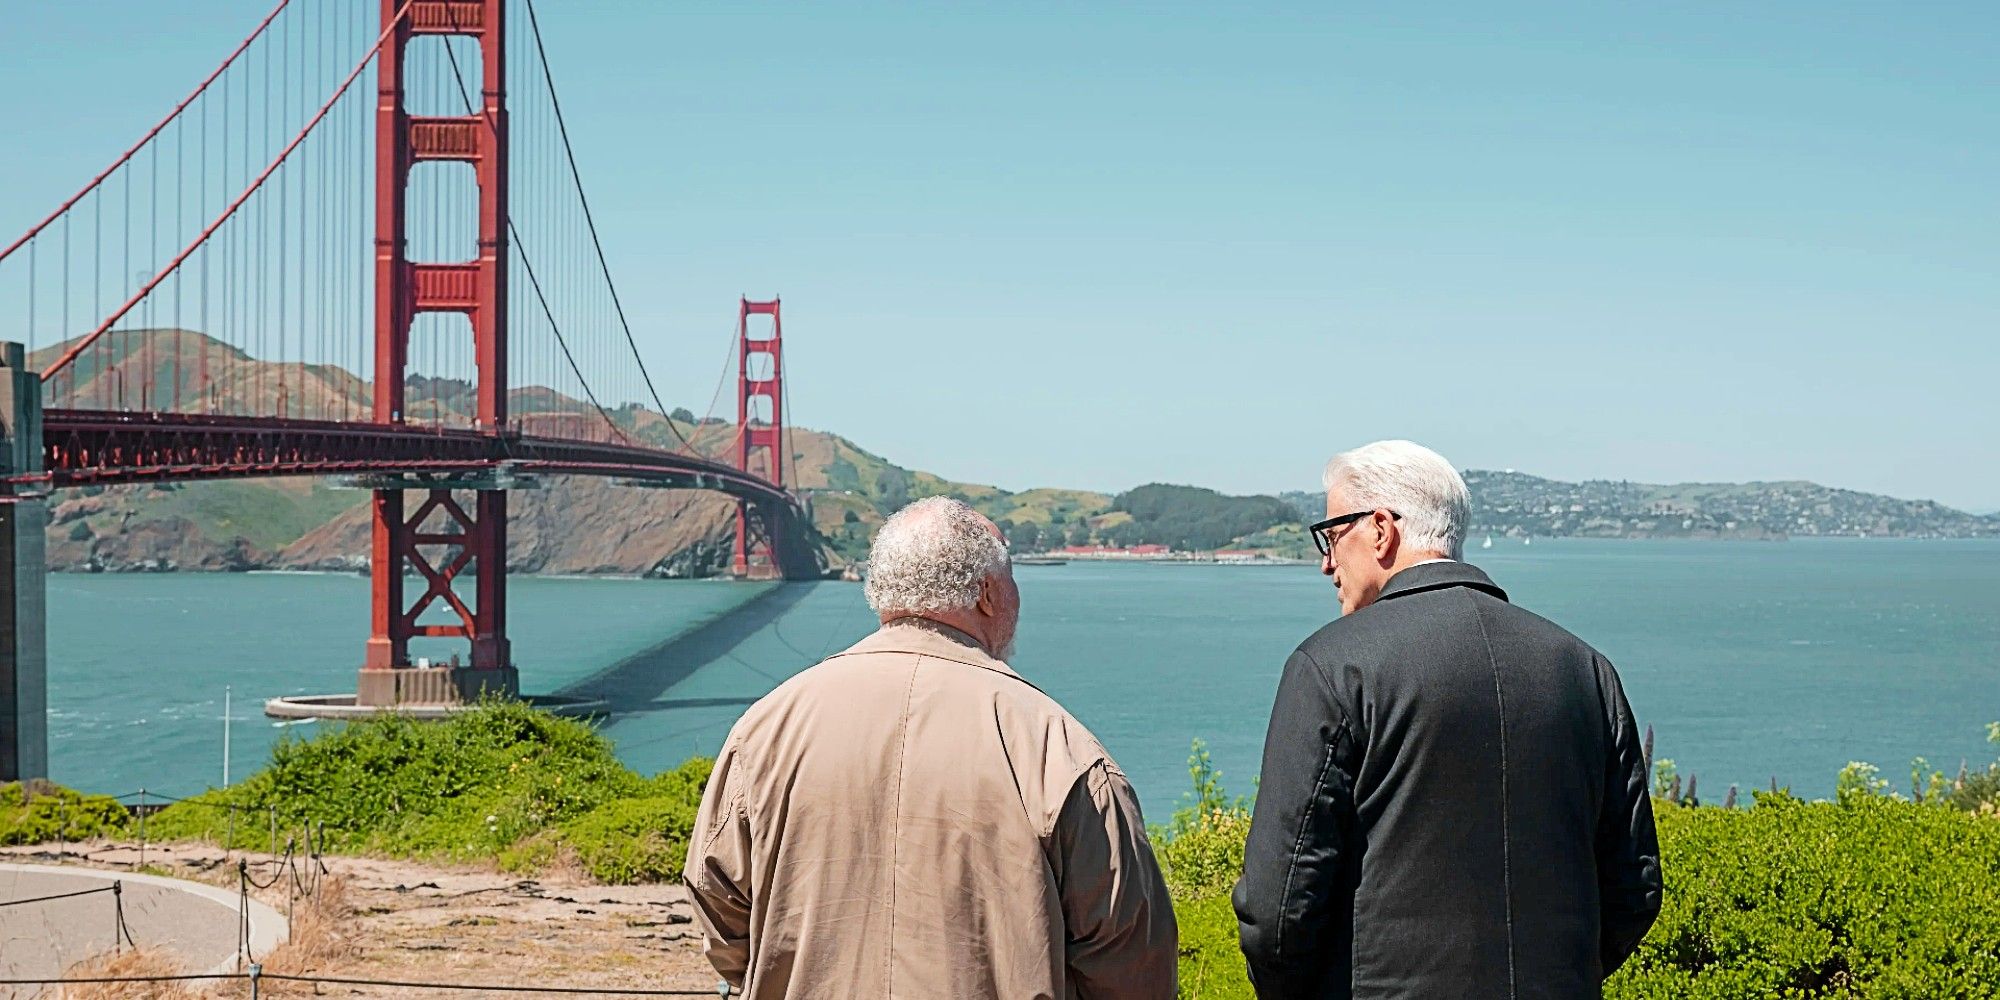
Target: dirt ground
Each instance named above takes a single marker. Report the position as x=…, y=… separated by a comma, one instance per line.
x=378, y=919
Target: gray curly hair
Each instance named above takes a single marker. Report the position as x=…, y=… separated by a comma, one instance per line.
x=931, y=556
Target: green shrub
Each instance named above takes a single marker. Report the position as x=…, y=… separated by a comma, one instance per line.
x=620, y=842
x=43, y=812
x=1979, y=791
x=684, y=783
x=500, y=781
x=1201, y=854
x=1211, y=963
x=462, y=788
x=1871, y=896
x=1207, y=855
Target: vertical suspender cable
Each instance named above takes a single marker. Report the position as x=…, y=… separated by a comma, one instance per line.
x=180, y=220
x=562, y=128
x=284, y=221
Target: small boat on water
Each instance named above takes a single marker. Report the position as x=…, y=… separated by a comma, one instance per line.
x=1488, y=543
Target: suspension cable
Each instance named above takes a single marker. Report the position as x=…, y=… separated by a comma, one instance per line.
x=527, y=266
x=148, y=137
x=590, y=221
x=140, y=296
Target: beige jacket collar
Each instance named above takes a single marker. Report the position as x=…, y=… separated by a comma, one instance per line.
x=925, y=637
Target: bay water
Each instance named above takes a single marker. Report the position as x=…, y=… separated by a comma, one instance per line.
x=1750, y=660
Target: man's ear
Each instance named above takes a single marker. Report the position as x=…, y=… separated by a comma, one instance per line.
x=1387, y=535
x=986, y=605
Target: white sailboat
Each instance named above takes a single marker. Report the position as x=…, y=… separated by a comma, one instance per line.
x=1488, y=543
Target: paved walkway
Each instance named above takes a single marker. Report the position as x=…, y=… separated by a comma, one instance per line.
x=196, y=922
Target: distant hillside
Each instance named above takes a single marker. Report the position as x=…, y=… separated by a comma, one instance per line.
x=579, y=525
x=1516, y=504
x=593, y=526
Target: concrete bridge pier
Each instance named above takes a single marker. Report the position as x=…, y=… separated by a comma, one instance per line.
x=24, y=517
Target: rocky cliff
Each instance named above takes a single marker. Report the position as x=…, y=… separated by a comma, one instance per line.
x=570, y=526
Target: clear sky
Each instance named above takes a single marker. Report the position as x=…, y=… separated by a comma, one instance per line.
x=1214, y=243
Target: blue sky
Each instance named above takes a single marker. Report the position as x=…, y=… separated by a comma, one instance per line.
x=1214, y=243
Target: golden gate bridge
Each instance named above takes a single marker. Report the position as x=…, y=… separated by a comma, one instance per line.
x=281, y=279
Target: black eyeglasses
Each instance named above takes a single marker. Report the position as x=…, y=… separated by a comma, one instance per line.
x=1319, y=529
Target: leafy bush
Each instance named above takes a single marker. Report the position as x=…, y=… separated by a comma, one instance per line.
x=621, y=842
x=1211, y=963
x=1201, y=852
x=1979, y=791
x=626, y=840
x=684, y=783
x=1873, y=895
x=41, y=812
x=463, y=788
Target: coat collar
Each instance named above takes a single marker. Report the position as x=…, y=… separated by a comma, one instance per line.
x=1438, y=575
x=925, y=637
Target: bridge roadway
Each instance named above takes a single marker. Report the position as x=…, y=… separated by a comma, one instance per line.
x=97, y=447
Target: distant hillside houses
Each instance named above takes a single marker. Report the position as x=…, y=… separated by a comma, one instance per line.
x=1519, y=505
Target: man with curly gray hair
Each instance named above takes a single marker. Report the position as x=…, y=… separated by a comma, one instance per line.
x=912, y=818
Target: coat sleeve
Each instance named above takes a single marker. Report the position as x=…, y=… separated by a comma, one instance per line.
x=1119, y=922
x=1293, y=905
x=1628, y=850
x=717, y=872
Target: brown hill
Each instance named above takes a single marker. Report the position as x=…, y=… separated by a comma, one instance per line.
x=572, y=525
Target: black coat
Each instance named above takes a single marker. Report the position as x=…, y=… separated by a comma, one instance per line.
x=1453, y=804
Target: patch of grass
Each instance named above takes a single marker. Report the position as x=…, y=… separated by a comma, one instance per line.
x=271, y=515
x=42, y=812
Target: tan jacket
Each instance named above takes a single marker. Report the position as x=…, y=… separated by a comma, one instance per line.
x=912, y=819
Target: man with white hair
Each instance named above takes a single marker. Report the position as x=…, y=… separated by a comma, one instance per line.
x=911, y=818
x=1454, y=797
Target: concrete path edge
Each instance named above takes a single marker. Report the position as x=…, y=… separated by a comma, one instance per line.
x=267, y=925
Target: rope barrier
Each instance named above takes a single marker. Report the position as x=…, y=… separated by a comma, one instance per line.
x=304, y=885
x=79, y=980
x=510, y=988
x=355, y=981
x=121, y=933
x=61, y=895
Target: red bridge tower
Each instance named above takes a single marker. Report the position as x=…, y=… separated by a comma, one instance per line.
x=444, y=538
x=760, y=449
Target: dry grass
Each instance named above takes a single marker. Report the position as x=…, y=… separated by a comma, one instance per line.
x=322, y=939
x=379, y=918
x=134, y=962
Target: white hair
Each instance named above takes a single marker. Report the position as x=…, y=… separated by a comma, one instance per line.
x=1411, y=480
x=931, y=556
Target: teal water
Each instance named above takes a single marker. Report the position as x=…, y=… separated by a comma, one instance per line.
x=1751, y=660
